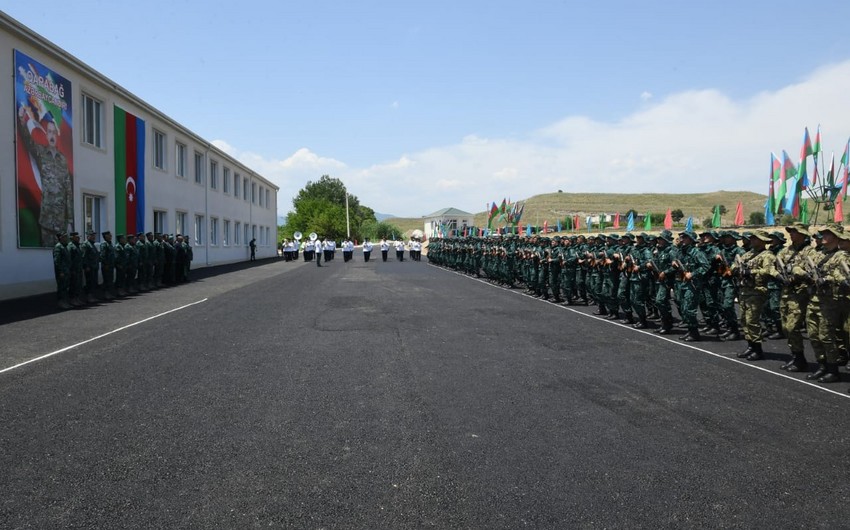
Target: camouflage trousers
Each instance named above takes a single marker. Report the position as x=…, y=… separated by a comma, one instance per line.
x=752, y=306
x=792, y=308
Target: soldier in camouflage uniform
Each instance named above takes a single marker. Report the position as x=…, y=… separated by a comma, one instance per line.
x=624, y=257
x=729, y=251
x=831, y=280
x=772, y=317
x=710, y=291
x=691, y=269
x=76, y=286
x=756, y=268
x=122, y=260
x=62, y=270
x=640, y=278
x=794, y=278
x=553, y=263
x=664, y=273
x=142, y=263
x=107, y=265
x=90, y=257
x=130, y=249
x=57, y=206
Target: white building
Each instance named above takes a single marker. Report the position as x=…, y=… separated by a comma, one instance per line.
x=180, y=183
x=452, y=220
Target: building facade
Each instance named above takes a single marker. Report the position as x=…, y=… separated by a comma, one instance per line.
x=450, y=221
x=78, y=152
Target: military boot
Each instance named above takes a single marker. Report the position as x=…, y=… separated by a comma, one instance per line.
x=798, y=363
x=757, y=354
x=820, y=372
x=831, y=375
x=750, y=349
x=641, y=324
x=691, y=336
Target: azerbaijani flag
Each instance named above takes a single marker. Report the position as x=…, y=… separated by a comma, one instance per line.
x=789, y=183
x=845, y=159
x=129, y=172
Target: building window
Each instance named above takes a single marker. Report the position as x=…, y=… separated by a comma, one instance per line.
x=268, y=199
x=181, y=160
x=199, y=230
x=268, y=236
x=246, y=239
x=253, y=231
x=236, y=185
x=261, y=196
x=180, y=223
x=236, y=228
x=199, y=168
x=213, y=231
x=92, y=121
x=94, y=214
x=225, y=180
x=213, y=175
x=160, y=225
x=245, y=189
x=254, y=192
x=225, y=236
x=158, y=149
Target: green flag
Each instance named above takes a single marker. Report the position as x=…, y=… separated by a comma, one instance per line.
x=715, y=221
x=804, y=211
x=647, y=222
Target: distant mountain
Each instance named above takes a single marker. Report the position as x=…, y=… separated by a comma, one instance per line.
x=383, y=216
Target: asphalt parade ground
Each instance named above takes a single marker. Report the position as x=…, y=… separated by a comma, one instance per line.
x=399, y=395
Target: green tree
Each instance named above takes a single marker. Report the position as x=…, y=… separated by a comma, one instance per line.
x=320, y=207
x=677, y=215
x=756, y=218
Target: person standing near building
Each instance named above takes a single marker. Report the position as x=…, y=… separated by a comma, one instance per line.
x=253, y=246
x=416, y=246
x=62, y=270
x=107, y=265
x=367, y=250
x=399, y=250
x=385, y=249
x=190, y=255
x=90, y=257
x=76, y=254
x=120, y=265
x=132, y=264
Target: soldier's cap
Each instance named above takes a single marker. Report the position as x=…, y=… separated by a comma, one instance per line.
x=157, y=235
x=730, y=233
x=706, y=233
x=799, y=227
x=643, y=235
x=557, y=238
x=91, y=233
x=689, y=234
x=107, y=233
x=149, y=234
x=615, y=237
x=778, y=235
x=140, y=234
x=761, y=235
x=119, y=236
x=60, y=235
x=666, y=235
x=72, y=234
x=628, y=236
x=834, y=228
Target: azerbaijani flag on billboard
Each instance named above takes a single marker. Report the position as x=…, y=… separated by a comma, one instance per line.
x=129, y=173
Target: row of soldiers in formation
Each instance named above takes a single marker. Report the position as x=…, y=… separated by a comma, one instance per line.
x=133, y=263
x=783, y=289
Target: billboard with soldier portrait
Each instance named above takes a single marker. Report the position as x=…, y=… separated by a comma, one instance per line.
x=44, y=153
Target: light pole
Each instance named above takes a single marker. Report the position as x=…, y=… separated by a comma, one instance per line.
x=347, y=221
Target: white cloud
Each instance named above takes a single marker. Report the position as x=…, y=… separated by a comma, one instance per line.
x=645, y=96
x=699, y=140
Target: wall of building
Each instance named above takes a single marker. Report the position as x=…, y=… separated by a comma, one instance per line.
x=218, y=207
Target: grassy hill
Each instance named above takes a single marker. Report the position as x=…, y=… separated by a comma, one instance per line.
x=553, y=206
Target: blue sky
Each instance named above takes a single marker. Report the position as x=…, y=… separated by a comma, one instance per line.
x=418, y=106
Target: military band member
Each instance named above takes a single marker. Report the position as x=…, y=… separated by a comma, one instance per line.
x=367, y=250
x=399, y=250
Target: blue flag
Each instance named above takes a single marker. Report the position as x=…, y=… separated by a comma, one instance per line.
x=768, y=214
x=528, y=230
x=589, y=223
x=689, y=227
x=630, y=224
x=559, y=225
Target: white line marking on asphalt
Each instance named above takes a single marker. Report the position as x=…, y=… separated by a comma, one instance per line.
x=72, y=346
x=656, y=336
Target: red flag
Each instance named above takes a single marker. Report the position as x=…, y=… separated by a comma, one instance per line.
x=616, y=220
x=839, y=209
x=545, y=226
x=668, y=220
x=739, y=214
